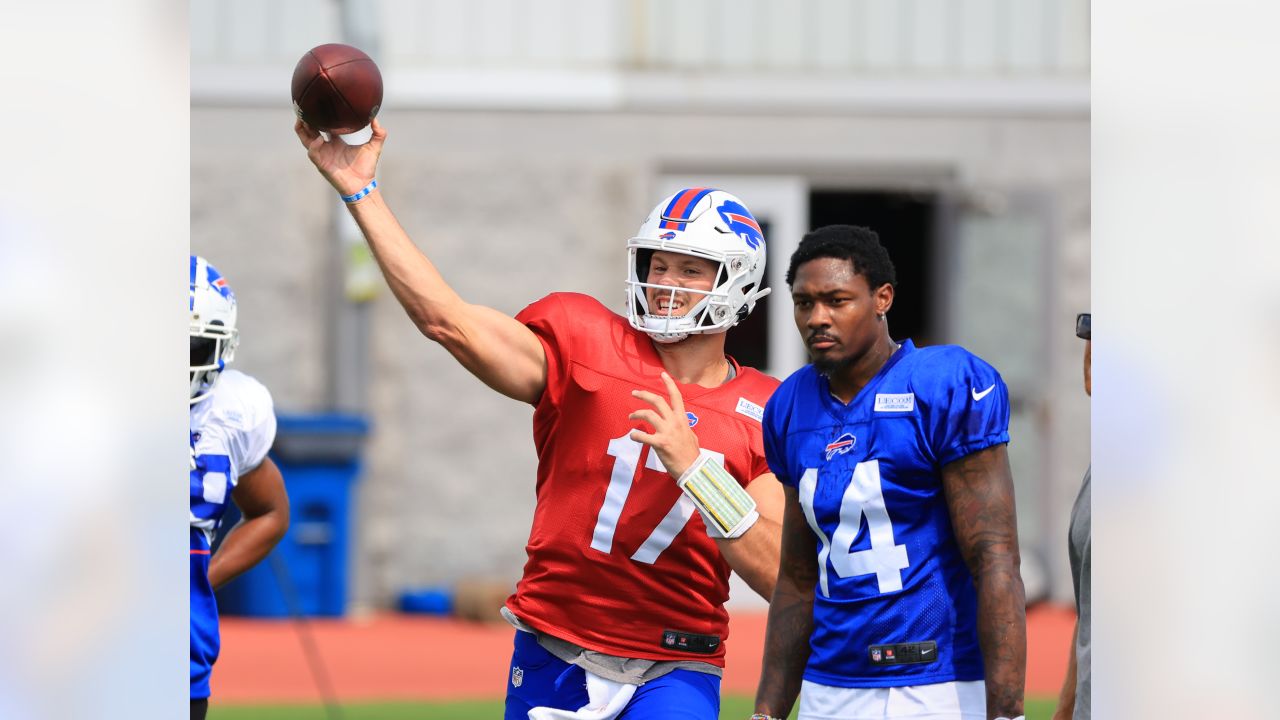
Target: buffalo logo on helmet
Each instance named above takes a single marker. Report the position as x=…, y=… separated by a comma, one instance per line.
x=741, y=223
x=219, y=283
x=668, y=235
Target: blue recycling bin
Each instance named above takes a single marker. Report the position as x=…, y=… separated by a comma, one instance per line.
x=319, y=457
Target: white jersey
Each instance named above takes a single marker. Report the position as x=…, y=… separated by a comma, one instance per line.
x=231, y=431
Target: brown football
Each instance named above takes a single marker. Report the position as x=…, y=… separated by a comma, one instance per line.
x=336, y=88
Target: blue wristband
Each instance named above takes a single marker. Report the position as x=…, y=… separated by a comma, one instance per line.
x=367, y=189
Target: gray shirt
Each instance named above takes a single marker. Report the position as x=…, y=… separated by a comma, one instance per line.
x=632, y=671
x=1079, y=540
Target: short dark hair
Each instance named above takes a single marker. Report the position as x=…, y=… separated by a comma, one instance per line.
x=859, y=245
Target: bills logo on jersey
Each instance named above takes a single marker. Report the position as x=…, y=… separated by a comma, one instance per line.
x=741, y=223
x=667, y=236
x=841, y=445
x=693, y=419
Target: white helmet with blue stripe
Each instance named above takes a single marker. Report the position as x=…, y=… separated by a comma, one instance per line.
x=705, y=223
x=213, y=327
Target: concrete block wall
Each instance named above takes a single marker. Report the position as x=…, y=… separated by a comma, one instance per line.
x=513, y=205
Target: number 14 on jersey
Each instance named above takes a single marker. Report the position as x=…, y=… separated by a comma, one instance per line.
x=863, y=497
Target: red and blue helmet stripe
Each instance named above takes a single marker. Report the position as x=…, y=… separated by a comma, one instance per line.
x=218, y=282
x=676, y=215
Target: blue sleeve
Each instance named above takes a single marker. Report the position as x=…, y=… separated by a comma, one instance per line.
x=968, y=407
x=775, y=434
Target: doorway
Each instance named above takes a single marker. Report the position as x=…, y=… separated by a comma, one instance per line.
x=907, y=225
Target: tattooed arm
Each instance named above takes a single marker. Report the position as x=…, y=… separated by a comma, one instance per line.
x=786, y=643
x=979, y=491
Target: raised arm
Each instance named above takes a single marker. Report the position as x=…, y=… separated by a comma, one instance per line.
x=494, y=347
x=979, y=491
x=786, y=643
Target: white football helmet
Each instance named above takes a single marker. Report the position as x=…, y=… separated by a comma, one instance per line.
x=213, y=327
x=705, y=223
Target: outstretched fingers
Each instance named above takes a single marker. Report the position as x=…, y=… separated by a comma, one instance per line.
x=677, y=400
x=654, y=399
x=648, y=416
x=304, y=133
x=379, y=136
x=641, y=436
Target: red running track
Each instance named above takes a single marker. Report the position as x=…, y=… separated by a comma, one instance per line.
x=406, y=657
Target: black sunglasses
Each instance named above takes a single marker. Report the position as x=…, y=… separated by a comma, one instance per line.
x=1083, y=326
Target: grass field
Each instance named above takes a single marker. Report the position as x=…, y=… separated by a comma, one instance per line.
x=734, y=707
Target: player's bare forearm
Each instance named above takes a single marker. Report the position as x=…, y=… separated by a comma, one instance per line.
x=262, y=500
x=245, y=546
x=423, y=293
x=979, y=491
x=496, y=348
x=790, y=615
x=503, y=353
x=755, y=555
x=1067, y=697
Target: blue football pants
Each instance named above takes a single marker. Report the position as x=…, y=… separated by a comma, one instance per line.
x=546, y=680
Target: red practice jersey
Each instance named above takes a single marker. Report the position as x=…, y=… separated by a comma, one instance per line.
x=619, y=561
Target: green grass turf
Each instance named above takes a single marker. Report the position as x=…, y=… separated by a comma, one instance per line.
x=733, y=707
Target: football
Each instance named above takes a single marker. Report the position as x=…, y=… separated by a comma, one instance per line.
x=336, y=88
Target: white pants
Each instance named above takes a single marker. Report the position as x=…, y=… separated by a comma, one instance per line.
x=939, y=701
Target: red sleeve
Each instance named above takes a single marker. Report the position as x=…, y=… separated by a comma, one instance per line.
x=759, y=466
x=762, y=388
x=547, y=319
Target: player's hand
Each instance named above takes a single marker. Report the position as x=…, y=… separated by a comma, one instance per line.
x=672, y=438
x=349, y=168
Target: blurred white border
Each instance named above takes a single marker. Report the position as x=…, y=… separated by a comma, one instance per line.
x=94, y=226
x=1186, y=175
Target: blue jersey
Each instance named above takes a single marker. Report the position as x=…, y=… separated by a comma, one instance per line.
x=231, y=431
x=895, y=603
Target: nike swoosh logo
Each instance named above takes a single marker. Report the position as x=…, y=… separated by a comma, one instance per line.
x=926, y=651
x=979, y=395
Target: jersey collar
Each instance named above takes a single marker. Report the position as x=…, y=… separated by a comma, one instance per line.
x=825, y=385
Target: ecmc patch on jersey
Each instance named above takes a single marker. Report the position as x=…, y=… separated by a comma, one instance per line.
x=895, y=603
